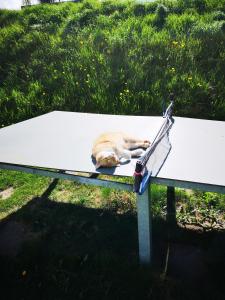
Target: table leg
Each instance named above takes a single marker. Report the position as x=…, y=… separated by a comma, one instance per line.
x=171, y=206
x=144, y=227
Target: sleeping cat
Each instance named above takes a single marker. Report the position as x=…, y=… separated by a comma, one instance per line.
x=112, y=148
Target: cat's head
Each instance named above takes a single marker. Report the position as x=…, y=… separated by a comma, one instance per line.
x=106, y=159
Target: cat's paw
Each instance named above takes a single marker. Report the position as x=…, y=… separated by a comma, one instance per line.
x=138, y=152
x=146, y=144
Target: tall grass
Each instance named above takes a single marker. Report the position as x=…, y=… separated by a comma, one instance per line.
x=113, y=57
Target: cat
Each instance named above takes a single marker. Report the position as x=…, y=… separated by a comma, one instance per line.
x=112, y=148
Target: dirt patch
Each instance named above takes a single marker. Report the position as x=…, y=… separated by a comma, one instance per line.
x=6, y=193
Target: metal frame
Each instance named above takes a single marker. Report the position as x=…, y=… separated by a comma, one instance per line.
x=144, y=227
x=143, y=201
x=189, y=185
x=69, y=176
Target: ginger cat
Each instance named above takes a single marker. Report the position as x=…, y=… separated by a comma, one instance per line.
x=110, y=149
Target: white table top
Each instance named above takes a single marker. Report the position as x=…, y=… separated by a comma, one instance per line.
x=63, y=141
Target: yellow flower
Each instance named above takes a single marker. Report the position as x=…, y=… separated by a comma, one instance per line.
x=63, y=72
x=81, y=42
x=182, y=45
x=190, y=78
x=127, y=91
x=199, y=84
x=172, y=70
x=175, y=43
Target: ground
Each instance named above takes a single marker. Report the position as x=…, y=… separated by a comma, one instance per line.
x=59, y=245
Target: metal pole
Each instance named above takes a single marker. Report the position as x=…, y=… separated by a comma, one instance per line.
x=171, y=206
x=144, y=227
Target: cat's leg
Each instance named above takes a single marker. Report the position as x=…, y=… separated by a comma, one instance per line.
x=142, y=144
x=137, y=152
x=125, y=155
x=133, y=143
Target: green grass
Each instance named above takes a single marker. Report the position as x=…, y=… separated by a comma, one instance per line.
x=192, y=207
x=25, y=187
x=80, y=241
x=113, y=57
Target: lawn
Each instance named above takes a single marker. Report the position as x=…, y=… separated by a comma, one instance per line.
x=59, y=239
x=113, y=57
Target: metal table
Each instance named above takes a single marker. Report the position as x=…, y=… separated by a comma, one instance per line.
x=58, y=143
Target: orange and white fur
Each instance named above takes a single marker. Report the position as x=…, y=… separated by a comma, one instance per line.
x=112, y=148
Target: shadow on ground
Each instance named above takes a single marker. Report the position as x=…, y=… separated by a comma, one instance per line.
x=51, y=250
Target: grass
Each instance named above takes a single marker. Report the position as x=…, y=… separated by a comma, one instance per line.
x=25, y=187
x=113, y=57
x=78, y=241
x=192, y=206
